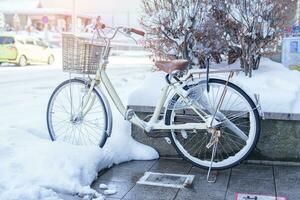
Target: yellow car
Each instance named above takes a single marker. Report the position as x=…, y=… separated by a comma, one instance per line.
x=23, y=50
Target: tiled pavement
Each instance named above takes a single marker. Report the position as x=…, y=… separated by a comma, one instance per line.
x=257, y=179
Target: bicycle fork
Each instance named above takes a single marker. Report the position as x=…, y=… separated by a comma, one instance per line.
x=87, y=100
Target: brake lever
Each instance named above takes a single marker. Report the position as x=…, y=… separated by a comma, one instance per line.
x=126, y=32
x=136, y=42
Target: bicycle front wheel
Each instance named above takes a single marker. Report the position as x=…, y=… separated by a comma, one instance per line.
x=67, y=123
x=236, y=116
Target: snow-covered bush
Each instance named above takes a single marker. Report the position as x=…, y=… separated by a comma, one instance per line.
x=199, y=29
x=252, y=27
x=181, y=29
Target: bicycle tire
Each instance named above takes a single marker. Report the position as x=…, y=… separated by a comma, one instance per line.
x=183, y=152
x=107, y=119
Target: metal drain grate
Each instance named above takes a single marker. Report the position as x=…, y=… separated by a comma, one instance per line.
x=166, y=180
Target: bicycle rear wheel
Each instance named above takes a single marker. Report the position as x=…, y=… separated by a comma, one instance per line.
x=236, y=107
x=64, y=118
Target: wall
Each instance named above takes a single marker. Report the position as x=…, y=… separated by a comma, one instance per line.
x=279, y=139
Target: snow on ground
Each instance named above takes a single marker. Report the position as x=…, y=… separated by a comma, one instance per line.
x=277, y=86
x=31, y=166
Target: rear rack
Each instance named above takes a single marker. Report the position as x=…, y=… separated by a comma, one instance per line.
x=215, y=71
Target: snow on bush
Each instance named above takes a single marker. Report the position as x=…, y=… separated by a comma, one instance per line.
x=199, y=30
x=180, y=29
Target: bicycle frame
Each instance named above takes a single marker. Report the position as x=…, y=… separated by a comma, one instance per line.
x=154, y=122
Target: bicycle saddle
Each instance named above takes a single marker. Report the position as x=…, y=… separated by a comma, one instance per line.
x=172, y=65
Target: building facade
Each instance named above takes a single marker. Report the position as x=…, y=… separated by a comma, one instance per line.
x=27, y=15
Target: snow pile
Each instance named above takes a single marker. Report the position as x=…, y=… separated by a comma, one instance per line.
x=107, y=191
x=121, y=147
x=31, y=166
x=278, y=87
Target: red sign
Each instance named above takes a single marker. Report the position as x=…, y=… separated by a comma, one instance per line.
x=244, y=196
x=45, y=20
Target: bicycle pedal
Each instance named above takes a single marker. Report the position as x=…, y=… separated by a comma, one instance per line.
x=129, y=114
x=214, y=139
x=184, y=134
x=211, y=143
x=168, y=140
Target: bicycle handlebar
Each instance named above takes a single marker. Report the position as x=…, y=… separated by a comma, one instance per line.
x=100, y=25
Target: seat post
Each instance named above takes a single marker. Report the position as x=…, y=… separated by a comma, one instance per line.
x=177, y=79
x=207, y=74
x=170, y=76
x=168, y=79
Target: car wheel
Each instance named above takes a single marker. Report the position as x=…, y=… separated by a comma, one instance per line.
x=22, y=61
x=50, y=60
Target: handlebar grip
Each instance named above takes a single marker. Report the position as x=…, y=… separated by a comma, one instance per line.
x=138, y=32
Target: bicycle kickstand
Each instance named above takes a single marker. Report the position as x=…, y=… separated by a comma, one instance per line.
x=212, y=178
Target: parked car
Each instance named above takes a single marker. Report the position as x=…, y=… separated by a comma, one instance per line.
x=23, y=50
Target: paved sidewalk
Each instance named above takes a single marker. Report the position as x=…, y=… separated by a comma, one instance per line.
x=257, y=179
x=245, y=178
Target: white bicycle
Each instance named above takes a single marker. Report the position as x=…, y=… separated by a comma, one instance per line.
x=212, y=123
